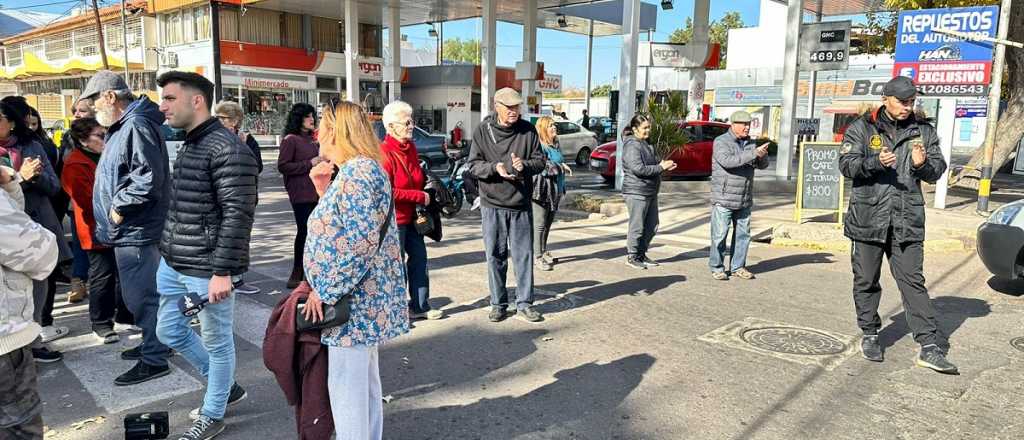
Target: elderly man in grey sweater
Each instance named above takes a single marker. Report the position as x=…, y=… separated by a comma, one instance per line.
x=732, y=181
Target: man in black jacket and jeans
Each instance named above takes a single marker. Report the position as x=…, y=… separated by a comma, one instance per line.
x=205, y=242
x=888, y=153
x=504, y=157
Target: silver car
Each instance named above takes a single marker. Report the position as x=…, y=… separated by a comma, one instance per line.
x=575, y=141
x=1001, y=241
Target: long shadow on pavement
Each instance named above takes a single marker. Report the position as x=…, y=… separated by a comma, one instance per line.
x=452, y=359
x=791, y=261
x=642, y=286
x=582, y=402
x=951, y=313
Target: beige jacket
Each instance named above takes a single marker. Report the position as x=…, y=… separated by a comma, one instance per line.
x=27, y=252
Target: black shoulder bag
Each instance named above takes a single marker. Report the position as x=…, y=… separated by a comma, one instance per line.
x=338, y=314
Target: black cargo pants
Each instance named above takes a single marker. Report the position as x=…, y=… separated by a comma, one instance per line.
x=906, y=262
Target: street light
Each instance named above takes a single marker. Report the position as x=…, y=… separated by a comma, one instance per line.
x=561, y=21
x=666, y=4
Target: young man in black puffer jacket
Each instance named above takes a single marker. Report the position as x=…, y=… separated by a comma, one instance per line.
x=205, y=241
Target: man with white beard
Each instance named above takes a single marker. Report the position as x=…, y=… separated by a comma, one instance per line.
x=130, y=201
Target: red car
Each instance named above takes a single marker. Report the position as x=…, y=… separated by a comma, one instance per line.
x=693, y=159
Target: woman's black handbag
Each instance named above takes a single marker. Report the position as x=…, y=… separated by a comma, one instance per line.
x=338, y=314
x=424, y=221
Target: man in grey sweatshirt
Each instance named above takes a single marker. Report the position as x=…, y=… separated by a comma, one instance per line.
x=504, y=156
x=27, y=252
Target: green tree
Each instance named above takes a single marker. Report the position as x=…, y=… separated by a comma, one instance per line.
x=461, y=51
x=718, y=31
x=1011, y=123
x=601, y=90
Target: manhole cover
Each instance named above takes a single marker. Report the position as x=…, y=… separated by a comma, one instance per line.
x=1017, y=343
x=793, y=340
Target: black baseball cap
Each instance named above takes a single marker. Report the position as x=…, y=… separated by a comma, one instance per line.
x=900, y=87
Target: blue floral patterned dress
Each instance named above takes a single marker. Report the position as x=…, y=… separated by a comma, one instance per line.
x=342, y=245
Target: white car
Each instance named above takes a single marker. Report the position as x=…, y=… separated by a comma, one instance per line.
x=575, y=141
x=1001, y=241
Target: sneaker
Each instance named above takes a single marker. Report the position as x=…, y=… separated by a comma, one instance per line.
x=142, y=372
x=498, y=314
x=870, y=349
x=203, y=428
x=237, y=395
x=933, y=357
x=529, y=314
x=743, y=273
x=128, y=328
x=720, y=276
x=78, y=291
x=51, y=333
x=44, y=355
x=550, y=259
x=432, y=314
x=246, y=289
x=648, y=262
x=476, y=204
x=542, y=265
x=107, y=335
x=634, y=262
x=132, y=354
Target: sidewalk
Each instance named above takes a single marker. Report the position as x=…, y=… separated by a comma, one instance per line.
x=684, y=212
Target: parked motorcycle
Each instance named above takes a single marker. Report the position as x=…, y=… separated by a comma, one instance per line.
x=453, y=182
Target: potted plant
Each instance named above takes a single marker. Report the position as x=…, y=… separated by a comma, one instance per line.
x=667, y=133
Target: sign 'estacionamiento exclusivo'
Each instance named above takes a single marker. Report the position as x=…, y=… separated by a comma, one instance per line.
x=940, y=64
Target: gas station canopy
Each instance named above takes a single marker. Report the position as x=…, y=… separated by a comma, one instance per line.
x=607, y=15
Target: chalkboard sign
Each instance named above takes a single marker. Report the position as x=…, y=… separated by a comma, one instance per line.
x=820, y=185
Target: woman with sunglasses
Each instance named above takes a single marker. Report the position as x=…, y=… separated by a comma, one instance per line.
x=346, y=255
x=105, y=303
x=402, y=163
x=298, y=155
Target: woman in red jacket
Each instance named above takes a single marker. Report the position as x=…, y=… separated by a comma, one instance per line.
x=402, y=164
x=105, y=304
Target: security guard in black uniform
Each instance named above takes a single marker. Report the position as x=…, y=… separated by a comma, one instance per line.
x=888, y=153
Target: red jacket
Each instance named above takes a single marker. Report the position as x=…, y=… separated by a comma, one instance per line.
x=77, y=179
x=299, y=363
x=402, y=163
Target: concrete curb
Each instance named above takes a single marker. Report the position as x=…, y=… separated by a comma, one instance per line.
x=785, y=236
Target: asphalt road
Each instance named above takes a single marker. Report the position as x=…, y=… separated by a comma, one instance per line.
x=666, y=353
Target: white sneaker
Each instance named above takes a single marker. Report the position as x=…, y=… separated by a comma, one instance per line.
x=476, y=204
x=126, y=328
x=51, y=333
x=431, y=314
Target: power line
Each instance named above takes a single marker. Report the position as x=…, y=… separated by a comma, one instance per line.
x=40, y=6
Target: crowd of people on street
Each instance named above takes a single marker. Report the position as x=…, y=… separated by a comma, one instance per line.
x=151, y=248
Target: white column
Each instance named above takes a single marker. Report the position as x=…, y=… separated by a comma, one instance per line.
x=945, y=121
x=487, y=58
x=790, y=76
x=590, y=62
x=701, y=27
x=529, y=47
x=352, y=50
x=627, y=74
x=395, y=61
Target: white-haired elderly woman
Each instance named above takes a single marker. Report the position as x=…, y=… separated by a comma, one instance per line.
x=230, y=115
x=401, y=162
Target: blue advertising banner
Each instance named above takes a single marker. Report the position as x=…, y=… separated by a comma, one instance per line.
x=931, y=58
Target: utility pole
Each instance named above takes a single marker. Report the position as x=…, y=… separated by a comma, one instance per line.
x=124, y=41
x=99, y=34
x=985, y=186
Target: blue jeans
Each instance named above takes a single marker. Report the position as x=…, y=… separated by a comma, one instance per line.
x=214, y=354
x=721, y=219
x=80, y=260
x=414, y=251
x=137, y=270
x=508, y=233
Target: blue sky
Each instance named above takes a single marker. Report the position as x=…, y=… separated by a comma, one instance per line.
x=562, y=53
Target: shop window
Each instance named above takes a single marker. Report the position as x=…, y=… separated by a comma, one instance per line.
x=266, y=111
x=326, y=83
